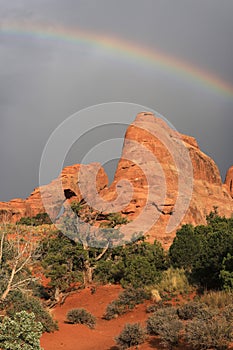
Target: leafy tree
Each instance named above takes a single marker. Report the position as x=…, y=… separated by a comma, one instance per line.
x=82, y=227
x=62, y=261
x=185, y=248
x=139, y=272
x=136, y=264
x=226, y=274
x=202, y=250
x=217, y=245
x=21, y=332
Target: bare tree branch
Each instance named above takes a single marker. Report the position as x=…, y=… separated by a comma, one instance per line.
x=22, y=255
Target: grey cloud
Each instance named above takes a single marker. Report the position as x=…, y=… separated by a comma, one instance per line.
x=45, y=81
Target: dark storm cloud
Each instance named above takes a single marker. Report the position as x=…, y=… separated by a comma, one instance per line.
x=44, y=81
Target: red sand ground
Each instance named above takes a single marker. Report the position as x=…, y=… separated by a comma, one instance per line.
x=80, y=337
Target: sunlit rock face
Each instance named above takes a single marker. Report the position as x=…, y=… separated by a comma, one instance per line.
x=229, y=180
x=163, y=180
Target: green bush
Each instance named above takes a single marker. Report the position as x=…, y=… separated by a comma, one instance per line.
x=185, y=248
x=165, y=323
x=114, y=309
x=205, y=252
x=39, y=219
x=137, y=264
x=20, y=332
x=214, y=334
x=226, y=274
x=19, y=301
x=154, y=307
x=139, y=272
x=159, y=316
x=131, y=335
x=133, y=296
x=193, y=309
x=81, y=316
x=126, y=301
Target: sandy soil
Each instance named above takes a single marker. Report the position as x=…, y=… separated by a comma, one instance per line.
x=80, y=337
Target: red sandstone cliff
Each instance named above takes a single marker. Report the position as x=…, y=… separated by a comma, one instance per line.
x=169, y=182
x=229, y=181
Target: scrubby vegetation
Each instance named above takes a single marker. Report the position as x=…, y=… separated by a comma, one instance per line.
x=20, y=332
x=216, y=333
x=39, y=219
x=174, y=281
x=204, y=252
x=205, y=326
x=200, y=259
x=131, y=335
x=18, y=301
x=126, y=301
x=65, y=262
x=193, y=309
x=81, y=316
x=165, y=323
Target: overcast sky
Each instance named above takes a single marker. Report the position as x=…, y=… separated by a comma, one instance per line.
x=44, y=81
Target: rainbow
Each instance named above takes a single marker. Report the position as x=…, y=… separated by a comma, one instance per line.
x=127, y=50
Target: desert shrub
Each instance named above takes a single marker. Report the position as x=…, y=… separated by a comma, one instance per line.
x=81, y=316
x=131, y=335
x=132, y=296
x=227, y=312
x=39, y=219
x=18, y=301
x=174, y=281
x=193, y=309
x=126, y=301
x=169, y=332
x=165, y=323
x=214, y=334
x=154, y=322
x=217, y=299
x=114, y=309
x=154, y=307
x=20, y=332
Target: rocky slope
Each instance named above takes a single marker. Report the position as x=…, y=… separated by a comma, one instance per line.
x=162, y=180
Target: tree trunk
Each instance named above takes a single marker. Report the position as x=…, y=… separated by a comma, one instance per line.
x=87, y=273
x=8, y=288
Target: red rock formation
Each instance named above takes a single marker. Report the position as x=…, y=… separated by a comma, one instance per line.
x=207, y=190
x=229, y=180
x=169, y=181
x=50, y=196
